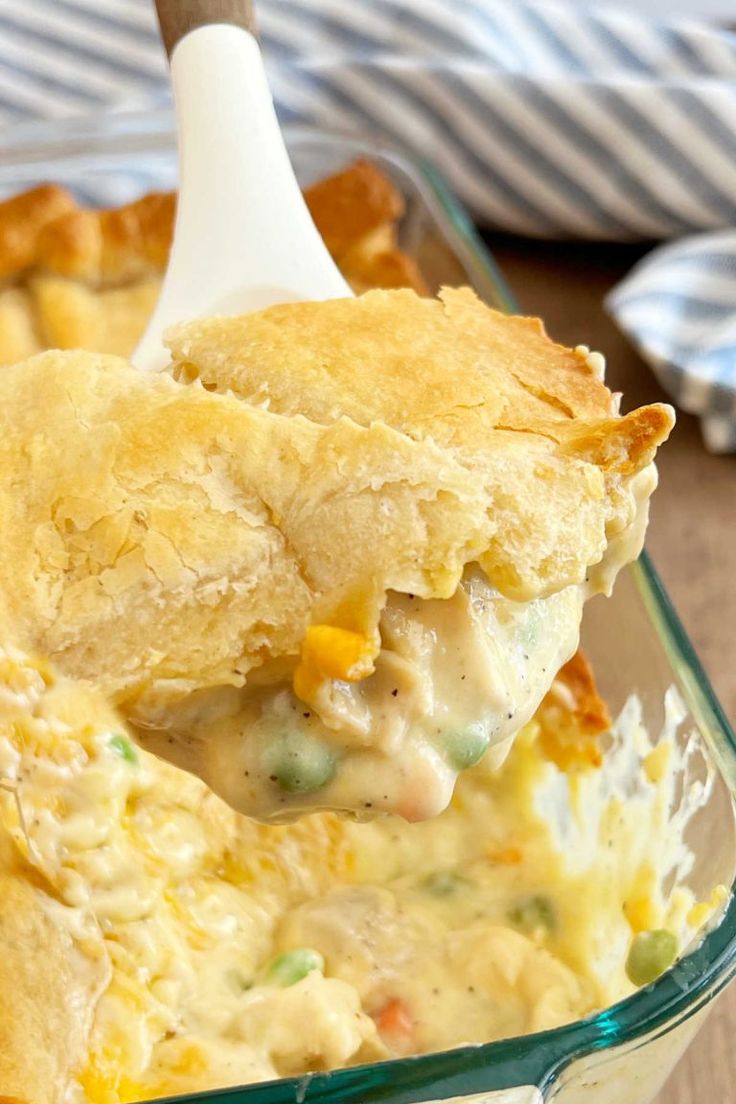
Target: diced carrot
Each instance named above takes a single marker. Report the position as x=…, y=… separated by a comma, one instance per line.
x=395, y=1019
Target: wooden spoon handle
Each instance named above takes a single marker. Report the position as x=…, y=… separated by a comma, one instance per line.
x=177, y=17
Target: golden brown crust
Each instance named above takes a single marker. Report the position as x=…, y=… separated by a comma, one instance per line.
x=452, y=368
x=623, y=445
x=520, y=410
x=351, y=204
x=91, y=278
x=53, y=312
x=571, y=717
x=110, y=247
x=159, y=537
x=22, y=219
x=371, y=264
x=355, y=211
x=590, y=710
x=43, y=228
x=50, y=984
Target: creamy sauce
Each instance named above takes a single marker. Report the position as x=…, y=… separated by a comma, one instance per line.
x=624, y=544
x=241, y=952
x=454, y=680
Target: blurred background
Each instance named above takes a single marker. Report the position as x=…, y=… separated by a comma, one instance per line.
x=714, y=9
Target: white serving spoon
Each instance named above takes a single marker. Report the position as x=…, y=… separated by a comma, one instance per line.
x=244, y=238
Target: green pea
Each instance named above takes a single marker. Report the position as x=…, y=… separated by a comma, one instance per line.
x=650, y=954
x=443, y=883
x=300, y=764
x=534, y=914
x=124, y=748
x=464, y=749
x=291, y=966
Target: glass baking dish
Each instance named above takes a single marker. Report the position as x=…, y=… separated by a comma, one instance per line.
x=624, y=1054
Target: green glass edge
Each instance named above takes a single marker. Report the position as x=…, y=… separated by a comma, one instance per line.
x=468, y=243
x=701, y=697
x=539, y=1059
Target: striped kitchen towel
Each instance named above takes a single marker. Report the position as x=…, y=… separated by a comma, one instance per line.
x=549, y=120
x=678, y=306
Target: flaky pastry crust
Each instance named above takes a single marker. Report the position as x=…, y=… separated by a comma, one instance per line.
x=526, y=415
x=572, y=716
x=351, y=204
x=159, y=538
x=22, y=221
x=110, y=247
x=78, y=278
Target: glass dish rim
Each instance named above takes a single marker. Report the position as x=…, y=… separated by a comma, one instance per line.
x=536, y=1059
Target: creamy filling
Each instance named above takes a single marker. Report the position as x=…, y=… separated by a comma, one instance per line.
x=625, y=543
x=241, y=952
x=455, y=679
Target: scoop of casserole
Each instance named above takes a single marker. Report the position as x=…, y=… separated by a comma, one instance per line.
x=344, y=577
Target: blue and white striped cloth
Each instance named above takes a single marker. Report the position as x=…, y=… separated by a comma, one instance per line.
x=549, y=120
x=678, y=306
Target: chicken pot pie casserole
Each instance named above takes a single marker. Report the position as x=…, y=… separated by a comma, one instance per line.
x=156, y=942
x=332, y=561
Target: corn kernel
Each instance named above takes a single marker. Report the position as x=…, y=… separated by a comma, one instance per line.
x=329, y=652
x=640, y=913
x=701, y=912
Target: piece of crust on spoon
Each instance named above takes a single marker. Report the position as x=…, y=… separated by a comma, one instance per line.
x=344, y=578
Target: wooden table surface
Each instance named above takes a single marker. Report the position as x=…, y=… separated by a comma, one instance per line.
x=692, y=534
